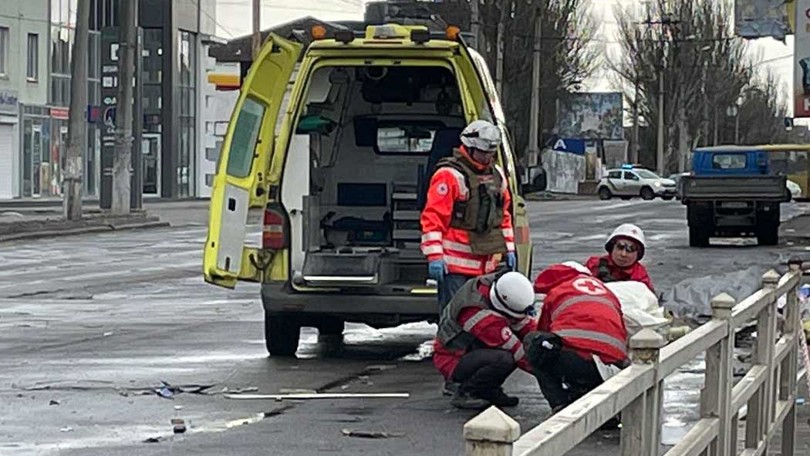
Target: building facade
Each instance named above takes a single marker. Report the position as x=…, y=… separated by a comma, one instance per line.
x=24, y=154
x=170, y=132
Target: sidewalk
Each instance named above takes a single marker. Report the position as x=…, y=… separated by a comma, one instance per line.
x=16, y=226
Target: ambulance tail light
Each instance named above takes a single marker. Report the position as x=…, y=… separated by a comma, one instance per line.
x=276, y=229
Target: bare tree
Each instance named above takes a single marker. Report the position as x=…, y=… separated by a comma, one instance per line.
x=122, y=161
x=762, y=112
x=569, y=55
x=689, y=44
x=77, y=125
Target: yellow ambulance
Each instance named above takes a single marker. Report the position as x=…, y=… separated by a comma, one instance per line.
x=338, y=168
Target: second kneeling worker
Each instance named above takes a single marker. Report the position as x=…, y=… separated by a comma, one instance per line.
x=478, y=344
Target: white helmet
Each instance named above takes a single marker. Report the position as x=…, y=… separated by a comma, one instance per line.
x=630, y=231
x=512, y=294
x=481, y=135
x=577, y=266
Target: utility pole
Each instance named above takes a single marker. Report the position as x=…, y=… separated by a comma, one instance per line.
x=634, y=146
x=659, y=155
x=77, y=122
x=499, y=61
x=475, y=25
x=257, y=26
x=122, y=161
x=534, y=125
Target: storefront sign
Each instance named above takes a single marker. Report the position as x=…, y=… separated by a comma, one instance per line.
x=9, y=101
x=60, y=113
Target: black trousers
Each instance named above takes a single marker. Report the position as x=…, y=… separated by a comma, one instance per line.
x=579, y=375
x=482, y=371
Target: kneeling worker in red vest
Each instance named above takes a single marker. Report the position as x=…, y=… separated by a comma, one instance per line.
x=478, y=343
x=581, y=324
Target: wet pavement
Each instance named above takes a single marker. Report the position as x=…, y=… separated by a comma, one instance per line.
x=91, y=325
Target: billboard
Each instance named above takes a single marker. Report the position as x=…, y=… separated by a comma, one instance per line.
x=763, y=18
x=591, y=116
x=801, y=64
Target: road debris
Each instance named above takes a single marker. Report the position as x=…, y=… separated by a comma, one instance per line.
x=372, y=434
x=179, y=425
x=153, y=440
x=66, y=429
x=380, y=367
x=168, y=391
x=281, y=397
x=54, y=402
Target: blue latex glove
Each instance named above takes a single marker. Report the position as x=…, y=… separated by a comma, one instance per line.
x=437, y=269
x=511, y=260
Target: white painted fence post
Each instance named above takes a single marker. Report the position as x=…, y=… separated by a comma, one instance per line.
x=787, y=380
x=716, y=399
x=760, y=406
x=641, y=419
x=490, y=433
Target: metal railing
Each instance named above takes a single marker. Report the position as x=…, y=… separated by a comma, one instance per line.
x=768, y=388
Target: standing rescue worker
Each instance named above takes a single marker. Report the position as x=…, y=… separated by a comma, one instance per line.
x=580, y=319
x=478, y=344
x=466, y=220
x=625, y=249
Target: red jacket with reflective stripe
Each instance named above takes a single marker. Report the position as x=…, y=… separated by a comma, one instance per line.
x=583, y=312
x=440, y=241
x=637, y=272
x=491, y=328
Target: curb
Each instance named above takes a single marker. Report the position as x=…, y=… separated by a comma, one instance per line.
x=83, y=230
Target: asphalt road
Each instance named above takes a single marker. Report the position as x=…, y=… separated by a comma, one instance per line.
x=90, y=325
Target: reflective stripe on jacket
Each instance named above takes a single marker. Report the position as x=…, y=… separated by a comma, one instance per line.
x=476, y=325
x=441, y=241
x=586, y=315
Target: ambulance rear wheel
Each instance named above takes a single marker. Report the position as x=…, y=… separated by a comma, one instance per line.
x=281, y=334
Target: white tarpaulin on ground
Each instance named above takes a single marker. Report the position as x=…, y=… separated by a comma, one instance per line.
x=564, y=171
x=639, y=305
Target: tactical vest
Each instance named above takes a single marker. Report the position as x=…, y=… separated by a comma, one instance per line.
x=450, y=333
x=603, y=273
x=481, y=215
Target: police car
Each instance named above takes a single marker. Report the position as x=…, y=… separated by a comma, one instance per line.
x=630, y=181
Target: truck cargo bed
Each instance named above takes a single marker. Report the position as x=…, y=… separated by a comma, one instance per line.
x=759, y=188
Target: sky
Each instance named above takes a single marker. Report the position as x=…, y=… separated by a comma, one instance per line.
x=234, y=19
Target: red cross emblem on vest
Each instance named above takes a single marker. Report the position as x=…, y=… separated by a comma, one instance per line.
x=589, y=286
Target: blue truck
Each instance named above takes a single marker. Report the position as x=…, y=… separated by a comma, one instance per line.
x=732, y=191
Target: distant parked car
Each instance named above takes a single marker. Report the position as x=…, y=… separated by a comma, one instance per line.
x=628, y=182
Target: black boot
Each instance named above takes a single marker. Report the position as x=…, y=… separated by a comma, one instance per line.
x=500, y=399
x=464, y=400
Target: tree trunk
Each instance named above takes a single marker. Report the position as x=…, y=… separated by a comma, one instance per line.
x=77, y=125
x=683, y=138
x=123, y=122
